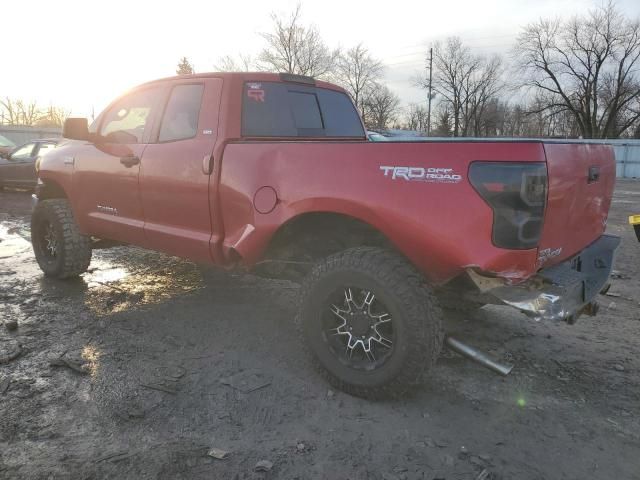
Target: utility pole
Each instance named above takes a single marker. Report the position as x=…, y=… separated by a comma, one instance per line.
x=430, y=85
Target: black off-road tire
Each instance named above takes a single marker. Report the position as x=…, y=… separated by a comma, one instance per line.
x=73, y=250
x=416, y=317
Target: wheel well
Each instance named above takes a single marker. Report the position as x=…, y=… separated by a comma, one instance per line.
x=50, y=189
x=304, y=240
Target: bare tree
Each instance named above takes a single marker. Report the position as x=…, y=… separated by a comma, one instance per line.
x=416, y=117
x=243, y=63
x=514, y=120
x=465, y=82
x=185, y=67
x=357, y=71
x=20, y=112
x=295, y=48
x=443, y=127
x=381, y=108
x=10, y=113
x=453, y=64
x=480, y=91
x=53, y=117
x=28, y=112
x=587, y=66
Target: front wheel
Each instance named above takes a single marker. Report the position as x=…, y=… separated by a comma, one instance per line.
x=373, y=327
x=60, y=249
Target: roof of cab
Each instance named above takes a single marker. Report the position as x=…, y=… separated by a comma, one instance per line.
x=245, y=77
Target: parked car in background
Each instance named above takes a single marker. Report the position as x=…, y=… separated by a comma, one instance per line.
x=6, y=146
x=18, y=168
x=376, y=137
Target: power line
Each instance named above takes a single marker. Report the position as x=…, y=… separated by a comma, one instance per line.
x=419, y=61
x=488, y=37
x=424, y=44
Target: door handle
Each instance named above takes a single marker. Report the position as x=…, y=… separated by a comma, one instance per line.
x=129, y=161
x=207, y=164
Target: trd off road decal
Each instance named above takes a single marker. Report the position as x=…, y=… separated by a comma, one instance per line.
x=419, y=174
x=255, y=92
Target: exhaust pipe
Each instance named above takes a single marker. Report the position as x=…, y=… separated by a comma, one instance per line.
x=478, y=356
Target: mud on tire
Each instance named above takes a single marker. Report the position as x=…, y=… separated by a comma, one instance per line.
x=372, y=326
x=60, y=249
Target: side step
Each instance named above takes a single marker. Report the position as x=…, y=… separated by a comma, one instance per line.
x=478, y=356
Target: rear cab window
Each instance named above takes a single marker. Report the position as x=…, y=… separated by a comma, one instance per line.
x=273, y=109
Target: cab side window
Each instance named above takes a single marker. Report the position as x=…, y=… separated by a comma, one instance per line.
x=23, y=153
x=128, y=119
x=180, y=119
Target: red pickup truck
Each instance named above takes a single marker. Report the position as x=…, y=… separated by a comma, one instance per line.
x=274, y=173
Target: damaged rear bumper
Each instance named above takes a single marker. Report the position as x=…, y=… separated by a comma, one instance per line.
x=562, y=292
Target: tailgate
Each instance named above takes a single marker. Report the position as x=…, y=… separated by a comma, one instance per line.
x=581, y=179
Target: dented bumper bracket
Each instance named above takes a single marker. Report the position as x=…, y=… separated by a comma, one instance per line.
x=563, y=291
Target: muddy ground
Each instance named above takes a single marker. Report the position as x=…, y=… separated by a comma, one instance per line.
x=179, y=359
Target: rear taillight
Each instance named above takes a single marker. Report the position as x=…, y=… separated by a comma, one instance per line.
x=517, y=193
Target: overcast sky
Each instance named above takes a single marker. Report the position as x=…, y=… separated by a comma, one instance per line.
x=81, y=54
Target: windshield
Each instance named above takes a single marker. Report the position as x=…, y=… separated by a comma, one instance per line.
x=5, y=142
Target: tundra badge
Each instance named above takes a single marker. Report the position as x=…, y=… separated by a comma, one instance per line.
x=109, y=210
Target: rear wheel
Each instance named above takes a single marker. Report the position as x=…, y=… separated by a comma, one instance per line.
x=373, y=327
x=60, y=249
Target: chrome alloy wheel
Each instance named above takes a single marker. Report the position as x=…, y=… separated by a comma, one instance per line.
x=359, y=329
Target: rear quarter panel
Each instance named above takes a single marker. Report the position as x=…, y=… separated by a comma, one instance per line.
x=442, y=227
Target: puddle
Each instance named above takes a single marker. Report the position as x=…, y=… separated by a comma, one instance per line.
x=137, y=278
x=14, y=239
x=119, y=279
x=105, y=274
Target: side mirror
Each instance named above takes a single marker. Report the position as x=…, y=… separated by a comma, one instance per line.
x=76, y=129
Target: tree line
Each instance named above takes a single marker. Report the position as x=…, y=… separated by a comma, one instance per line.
x=576, y=77
x=30, y=114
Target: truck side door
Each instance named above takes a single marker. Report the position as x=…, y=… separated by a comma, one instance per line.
x=175, y=171
x=105, y=178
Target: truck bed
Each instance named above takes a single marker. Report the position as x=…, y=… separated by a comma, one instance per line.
x=441, y=224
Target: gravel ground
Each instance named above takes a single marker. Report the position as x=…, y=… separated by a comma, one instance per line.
x=175, y=359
